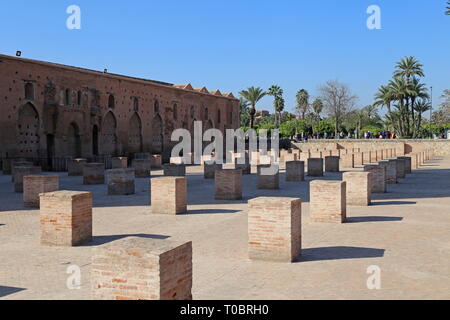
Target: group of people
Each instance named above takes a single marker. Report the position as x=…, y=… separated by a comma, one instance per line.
x=367, y=135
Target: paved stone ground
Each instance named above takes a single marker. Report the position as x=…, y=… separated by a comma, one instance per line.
x=406, y=233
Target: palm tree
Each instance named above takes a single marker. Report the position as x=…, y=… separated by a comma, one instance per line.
x=400, y=91
x=276, y=92
x=448, y=8
x=408, y=67
x=421, y=106
x=252, y=95
x=384, y=97
x=317, y=107
x=418, y=90
x=302, y=102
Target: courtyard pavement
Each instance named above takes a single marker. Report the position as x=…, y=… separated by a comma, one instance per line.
x=406, y=233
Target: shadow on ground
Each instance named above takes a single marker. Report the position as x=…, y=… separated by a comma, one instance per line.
x=99, y=240
x=6, y=291
x=338, y=253
x=372, y=219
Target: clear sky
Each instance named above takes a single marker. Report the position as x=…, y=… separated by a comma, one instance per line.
x=230, y=45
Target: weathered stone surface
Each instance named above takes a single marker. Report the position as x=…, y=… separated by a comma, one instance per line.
x=174, y=170
x=327, y=201
x=66, y=218
x=359, y=188
x=391, y=170
x=20, y=172
x=347, y=161
x=228, y=184
x=34, y=185
x=331, y=164
x=295, y=171
x=119, y=163
x=267, y=180
x=120, y=181
x=378, y=177
x=209, y=170
x=93, y=173
x=142, y=269
x=315, y=167
x=169, y=195
x=274, y=229
x=142, y=168
x=75, y=167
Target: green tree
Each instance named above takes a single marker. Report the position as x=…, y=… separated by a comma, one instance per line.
x=252, y=95
x=278, y=102
x=244, y=112
x=302, y=98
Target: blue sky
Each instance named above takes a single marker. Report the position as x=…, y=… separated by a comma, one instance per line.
x=230, y=45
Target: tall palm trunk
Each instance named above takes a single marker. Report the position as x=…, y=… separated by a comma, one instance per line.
x=252, y=116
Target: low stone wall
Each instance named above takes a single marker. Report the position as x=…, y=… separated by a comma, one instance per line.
x=440, y=147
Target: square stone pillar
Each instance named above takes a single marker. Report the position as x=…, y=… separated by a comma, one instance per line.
x=35, y=185
x=19, y=163
x=66, y=218
x=75, y=167
x=408, y=164
x=358, y=159
x=245, y=167
x=295, y=171
x=120, y=181
x=373, y=156
x=331, y=164
x=315, y=167
x=367, y=157
x=267, y=181
x=347, y=161
x=174, y=170
x=137, y=268
x=119, y=163
x=359, y=188
x=274, y=229
x=169, y=195
x=414, y=161
x=93, y=173
x=401, y=163
x=209, y=170
x=327, y=201
x=20, y=172
x=156, y=161
x=6, y=166
x=391, y=170
x=142, y=168
x=378, y=177
x=228, y=184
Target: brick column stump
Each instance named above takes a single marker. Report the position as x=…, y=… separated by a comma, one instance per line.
x=391, y=170
x=169, y=195
x=359, y=188
x=327, y=201
x=209, y=170
x=358, y=159
x=19, y=163
x=120, y=181
x=347, y=161
x=245, y=167
x=119, y=163
x=156, y=161
x=295, y=171
x=20, y=172
x=35, y=185
x=400, y=168
x=274, y=229
x=142, y=168
x=408, y=164
x=65, y=218
x=93, y=173
x=136, y=268
x=331, y=164
x=174, y=170
x=75, y=167
x=378, y=177
x=228, y=184
x=267, y=181
x=315, y=167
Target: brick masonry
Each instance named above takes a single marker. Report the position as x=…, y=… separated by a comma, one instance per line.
x=347, y=161
x=209, y=170
x=75, y=167
x=295, y=171
x=120, y=181
x=359, y=188
x=169, y=195
x=20, y=172
x=156, y=161
x=174, y=170
x=315, y=167
x=65, y=218
x=119, y=163
x=228, y=184
x=274, y=229
x=142, y=168
x=142, y=269
x=391, y=170
x=93, y=173
x=331, y=164
x=378, y=177
x=401, y=168
x=327, y=201
x=35, y=185
x=267, y=181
